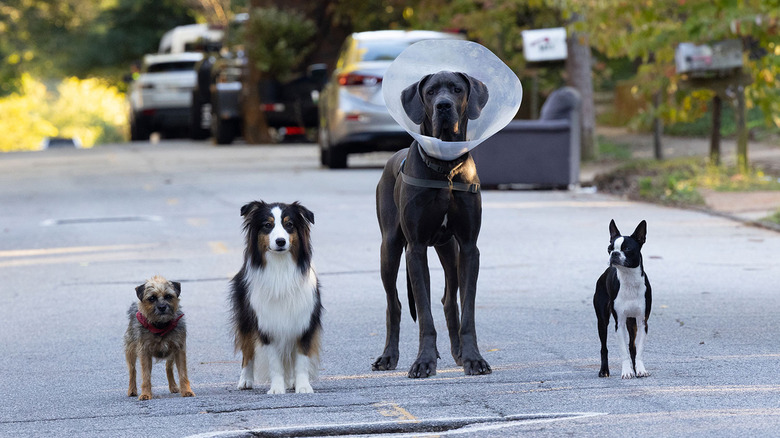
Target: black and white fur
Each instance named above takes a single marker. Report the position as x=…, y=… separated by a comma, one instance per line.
x=275, y=299
x=623, y=290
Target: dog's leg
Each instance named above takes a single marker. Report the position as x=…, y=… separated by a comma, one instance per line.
x=131, y=355
x=146, y=376
x=392, y=248
x=275, y=368
x=169, y=373
x=302, y=372
x=468, y=270
x=622, y=332
x=417, y=268
x=631, y=326
x=448, y=256
x=603, y=325
x=181, y=366
x=641, y=335
x=247, y=379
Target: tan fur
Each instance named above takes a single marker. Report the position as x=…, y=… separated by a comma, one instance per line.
x=144, y=346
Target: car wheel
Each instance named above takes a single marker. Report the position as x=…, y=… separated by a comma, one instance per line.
x=139, y=129
x=336, y=158
x=225, y=130
x=196, y=118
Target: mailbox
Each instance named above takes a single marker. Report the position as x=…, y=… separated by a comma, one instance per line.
x=719, y=59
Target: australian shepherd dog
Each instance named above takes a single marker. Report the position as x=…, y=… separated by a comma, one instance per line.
x=275, y=299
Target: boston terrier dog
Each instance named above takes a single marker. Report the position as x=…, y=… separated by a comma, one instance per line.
x=623, y=290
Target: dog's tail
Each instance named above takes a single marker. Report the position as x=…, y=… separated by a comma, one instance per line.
x=410, y=295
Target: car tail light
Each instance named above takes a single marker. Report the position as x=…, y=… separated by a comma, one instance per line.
x=272, y=107
x=358, y=79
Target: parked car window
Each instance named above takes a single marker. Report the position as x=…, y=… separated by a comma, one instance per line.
x=381, y=50
x=170, y=66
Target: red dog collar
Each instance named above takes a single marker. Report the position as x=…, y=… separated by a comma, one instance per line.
x=157, y=331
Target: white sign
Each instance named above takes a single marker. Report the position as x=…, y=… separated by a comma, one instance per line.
x=544, y=44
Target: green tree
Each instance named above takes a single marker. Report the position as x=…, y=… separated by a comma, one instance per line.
x=650, y=30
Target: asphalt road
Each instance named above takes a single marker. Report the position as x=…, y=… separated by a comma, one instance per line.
x=81, y=228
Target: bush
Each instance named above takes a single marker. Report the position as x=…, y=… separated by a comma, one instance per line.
x=88, y=109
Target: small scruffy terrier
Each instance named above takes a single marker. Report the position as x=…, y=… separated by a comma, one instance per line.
x=156, y=330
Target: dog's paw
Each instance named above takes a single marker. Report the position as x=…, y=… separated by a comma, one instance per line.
x=174, y=389
x=132, y=392
x=422, y=368
x=188, y=394
x=145, y=396
x=245, y=381
x=604, y=372
x=277, y=389
x=385, y=363
x=628, y=370
x=304, y=389
x=476, y=367
x=640, y=369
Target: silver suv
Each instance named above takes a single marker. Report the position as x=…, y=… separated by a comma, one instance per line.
x=161, y=95
x=353, y=115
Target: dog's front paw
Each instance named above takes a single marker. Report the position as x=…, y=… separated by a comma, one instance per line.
x=246, y=380
x=145, y=396
x=422, y=368
x=476, y=367
x=628, y=370
x=174, y=389
x=132, y=392
x=604, y=372
x=304, y=389
x=277, y=389
x=385, y=363
x=640, y=369
x=188, y=394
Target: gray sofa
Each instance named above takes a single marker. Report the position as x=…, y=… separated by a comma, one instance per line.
x=543, y=153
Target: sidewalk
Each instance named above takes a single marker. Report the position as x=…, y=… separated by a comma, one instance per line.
x=747, y=207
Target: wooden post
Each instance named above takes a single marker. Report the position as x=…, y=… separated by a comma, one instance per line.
x=715, y=138
x=742, y=132
x=658, y=128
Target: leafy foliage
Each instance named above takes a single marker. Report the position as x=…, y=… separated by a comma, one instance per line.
x=278, y=40
x=88, y=109
x=649, y=30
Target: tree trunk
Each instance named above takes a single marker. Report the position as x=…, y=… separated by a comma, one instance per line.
x=717, y=103
x=658, y=128
x=742, y=131
x=578, y=71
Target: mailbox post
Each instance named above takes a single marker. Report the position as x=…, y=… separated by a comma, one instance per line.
x=717, y=67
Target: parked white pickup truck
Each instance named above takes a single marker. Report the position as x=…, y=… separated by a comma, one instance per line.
x=161, y=95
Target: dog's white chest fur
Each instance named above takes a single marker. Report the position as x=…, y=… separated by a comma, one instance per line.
x=630, y=301
x=281, y=296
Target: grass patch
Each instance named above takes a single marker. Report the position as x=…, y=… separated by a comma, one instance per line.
x=612, y=151
x=678, y=182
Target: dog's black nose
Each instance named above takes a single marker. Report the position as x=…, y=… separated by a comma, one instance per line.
x=280, y=242
x=162, y=308
x=443, y=106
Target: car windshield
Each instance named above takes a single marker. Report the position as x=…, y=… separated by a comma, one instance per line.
x=171, y=66
x=382, y=50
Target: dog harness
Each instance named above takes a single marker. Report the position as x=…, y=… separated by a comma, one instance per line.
x=435, y=183
x=157, y=331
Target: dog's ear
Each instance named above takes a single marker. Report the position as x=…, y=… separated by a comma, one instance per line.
x=411, y=99
x=247, y=209
x=139, y=291
x=613, y=230
x=304, y=212
x=177, y=287
x=478, y=96
x=640, y=233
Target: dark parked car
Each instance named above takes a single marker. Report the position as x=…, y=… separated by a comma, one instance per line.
x=290, y=106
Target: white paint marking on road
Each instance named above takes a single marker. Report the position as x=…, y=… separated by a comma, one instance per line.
x=416, y=428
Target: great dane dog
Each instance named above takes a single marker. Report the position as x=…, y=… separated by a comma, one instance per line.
x=422, y=201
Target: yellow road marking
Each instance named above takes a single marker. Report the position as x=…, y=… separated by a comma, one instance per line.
x=218, y=248
x=393, y=410
x=72, y=250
